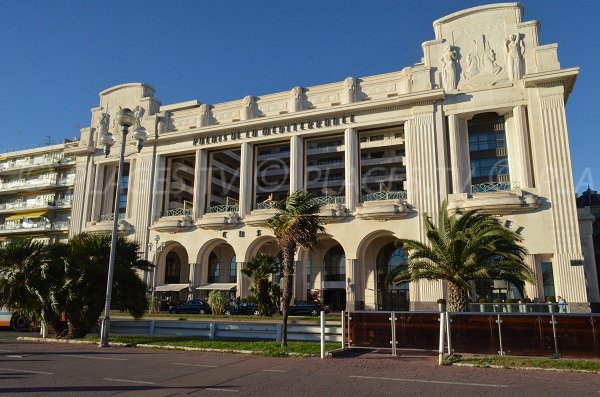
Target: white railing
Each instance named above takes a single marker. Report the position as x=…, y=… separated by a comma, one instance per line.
x=35, y=162
x=488, y=187
x=224, y=208
x=27, y=204
x=62, y=225
x=329, y=200
x=178, y=212
x=26, y=226
x=110, y=217
x=399, y=195
x=265, y=205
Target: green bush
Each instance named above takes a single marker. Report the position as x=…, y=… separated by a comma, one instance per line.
x=550, y=299
x=526, y=300
x=484, y=300
x=511, y=300
x=217, y=300
x=441, y=301
x=497, y=301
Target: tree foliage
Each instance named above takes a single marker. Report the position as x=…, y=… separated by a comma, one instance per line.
x=68, y=280
x=461, y=248
x=297, y=224
x=260, y=269
x=217, y=300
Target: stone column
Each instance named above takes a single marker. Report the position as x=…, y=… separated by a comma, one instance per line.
x=459, y=154
x=296, y=163
x=81, y=194
x=533, y=290
x=192, y=281
x=355, y=299
x=159, y=192
x=300, y=280
x=423, y=192
x=142, y=190
x=569, y=275
x=200, y=182
x=521, y=134
x=243, y=282
x=351, y=149
x=246, y=168
x=97, y=193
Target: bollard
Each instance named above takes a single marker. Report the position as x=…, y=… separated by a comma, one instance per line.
x=322, y=334
x=442, y=337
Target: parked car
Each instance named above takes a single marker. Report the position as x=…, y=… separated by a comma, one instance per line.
x=195, y=306
x=307, y=308
x=243, y=308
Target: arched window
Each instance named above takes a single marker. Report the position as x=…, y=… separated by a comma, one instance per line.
x=389, y=295
x=214, y=268
x=172, y=268
x=233, y=270
x=334, y=264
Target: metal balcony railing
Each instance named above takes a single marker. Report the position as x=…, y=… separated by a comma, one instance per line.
x=110, y=217
x=488, y=187
x=177, y=212
x=223, y=208
x=322, y=200
x=399, y=195
x=265, y=205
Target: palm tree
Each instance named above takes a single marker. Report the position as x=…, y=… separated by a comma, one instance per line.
x=260, y=269
x=296, y=225
x=464, y=247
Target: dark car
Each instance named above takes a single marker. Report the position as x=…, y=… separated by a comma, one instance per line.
x=307, y=308
x=195, y=306
x=243, y=308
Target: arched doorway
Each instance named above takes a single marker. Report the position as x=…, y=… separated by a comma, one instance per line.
x=391, y=296
x=172, y=268
x=218, y=269
x=334, y=278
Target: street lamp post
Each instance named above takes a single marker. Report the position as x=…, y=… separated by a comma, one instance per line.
x=125, y=118
x=158, y=248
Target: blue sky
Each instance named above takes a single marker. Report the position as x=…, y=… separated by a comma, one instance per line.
x=58, y=55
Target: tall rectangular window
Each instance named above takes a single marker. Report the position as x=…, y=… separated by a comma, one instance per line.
x=271, y=174
x=223, y=193
x=488, y=153
x=110, y=190
x=382, y=169
x=324, y=170
x=180, y=185
x=548, y=279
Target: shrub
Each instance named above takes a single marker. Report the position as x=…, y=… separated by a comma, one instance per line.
x=511, y=300
x=217, y=300
x=550, y=299
x=484, y=300
x=497, y=301
x=441, y=301
x=526, y=300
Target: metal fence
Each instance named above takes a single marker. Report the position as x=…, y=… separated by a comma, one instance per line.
x=225, y=329
x=528, y=334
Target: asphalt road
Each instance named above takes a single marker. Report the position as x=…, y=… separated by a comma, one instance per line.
x=49, y=369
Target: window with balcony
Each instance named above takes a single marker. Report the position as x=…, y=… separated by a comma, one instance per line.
x=488, y=153
x=324, y=169
x=179, y=185
x=223, y=193
x=382, y=171
x=271, y=174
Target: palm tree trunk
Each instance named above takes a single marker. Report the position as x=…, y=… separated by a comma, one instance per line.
x=458, y=298
x=288, y=283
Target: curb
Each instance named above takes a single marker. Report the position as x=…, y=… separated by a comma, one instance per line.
x=151, y=346
x=587, y=371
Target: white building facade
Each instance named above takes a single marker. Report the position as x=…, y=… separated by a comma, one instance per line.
x=480, y=122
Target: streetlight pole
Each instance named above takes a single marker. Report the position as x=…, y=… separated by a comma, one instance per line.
x=156, y=251
x=125, y=118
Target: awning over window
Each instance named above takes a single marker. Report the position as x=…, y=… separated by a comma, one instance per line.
x=218, y=286
x=28, y=215
x=171, y=287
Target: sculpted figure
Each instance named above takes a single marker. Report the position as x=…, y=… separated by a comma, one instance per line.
x=448, y=60
x=297, y=93
x=248, y=107
x=102, y=125
x=514, y=57
x=406, y=82
x=351, y=86
x=204, y=115
x=489, y=62
x=138, y=114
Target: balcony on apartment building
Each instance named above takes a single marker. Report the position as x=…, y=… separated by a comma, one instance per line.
x=34, y=184
x=30, y=163
x=19, y=228
x=17, y=206
x=496, y=197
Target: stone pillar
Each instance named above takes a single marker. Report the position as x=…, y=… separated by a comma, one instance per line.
x=569, y=275
x=586, y=220
x=246, y=168
x=200, y=182
x=355, y=299
x=97, y=193
x=459, y=154
x=296, y=163
x=521, y=135
x=159, y=193
x=533, y=290
x=142, y=191
x=192, y=281
x=423, y=192
x=300, y=280
x=351, y=149
x=243, y=282
x=81, y=194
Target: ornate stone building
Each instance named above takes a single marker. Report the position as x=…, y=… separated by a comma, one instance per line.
x=480, y=122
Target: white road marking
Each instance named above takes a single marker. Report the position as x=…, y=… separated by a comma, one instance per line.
x=274, y=370
x=226, y=390
x=196, y=365
x=428, y=381
x=129, y=381
x=94, y=358
x=6, y=351
x=13, y=356
x=25, y=371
